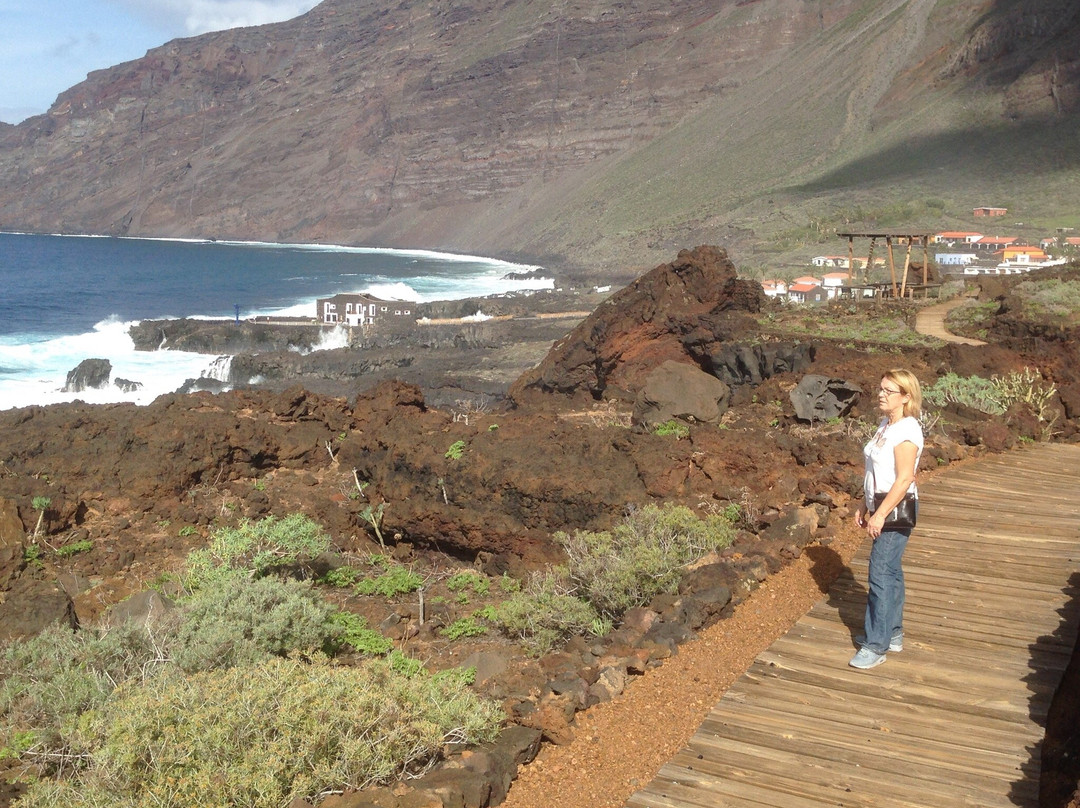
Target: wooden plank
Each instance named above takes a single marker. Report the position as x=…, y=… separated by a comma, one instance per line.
x=956, y=718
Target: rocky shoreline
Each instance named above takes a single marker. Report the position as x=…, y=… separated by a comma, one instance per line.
x=569, y=448
x=468, y=350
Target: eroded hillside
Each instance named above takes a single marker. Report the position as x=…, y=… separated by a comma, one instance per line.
x=600, y=133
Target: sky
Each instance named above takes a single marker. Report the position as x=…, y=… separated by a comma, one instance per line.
x=47, y=46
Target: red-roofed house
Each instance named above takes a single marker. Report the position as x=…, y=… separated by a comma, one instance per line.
x=954, y=236
x=986, y=211
x=993, y=243
x=807, y=279
x=807, y=293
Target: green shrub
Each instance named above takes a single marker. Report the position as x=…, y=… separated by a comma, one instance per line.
x=356, y=634
x=456, y=677
x=673, y=427
x=641, y=557
x=972, y=319
x=48, y=680
x=461, y=581
x=262, y=737
x=76, y=547
x=546, y=613
x=456, y=450
x=404, y=665
x=464, y=627
x=32, y=555
x=395, y=581
x=236, y=620
x=971, y=391
x=1051, y=298
x=259, y=547
x=341, y=576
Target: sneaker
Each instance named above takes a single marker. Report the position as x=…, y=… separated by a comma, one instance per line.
x=866, y=659
x=896, y=644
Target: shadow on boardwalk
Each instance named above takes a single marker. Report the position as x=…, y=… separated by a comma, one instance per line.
x=1062, y=726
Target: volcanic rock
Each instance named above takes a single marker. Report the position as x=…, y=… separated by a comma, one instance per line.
x=819, y=398
x=678, y=390
x=90, y=374
x=127, y=385
x=613, y=351
x=753, y=364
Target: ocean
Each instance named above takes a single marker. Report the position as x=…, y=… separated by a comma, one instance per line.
x=64, y=299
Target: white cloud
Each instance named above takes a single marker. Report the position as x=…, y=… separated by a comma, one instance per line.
x=191, y=17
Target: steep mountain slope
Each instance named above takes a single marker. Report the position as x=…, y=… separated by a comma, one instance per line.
x=607, y=133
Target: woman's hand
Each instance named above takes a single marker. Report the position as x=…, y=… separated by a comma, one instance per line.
x=860, y=515
x=874, y=525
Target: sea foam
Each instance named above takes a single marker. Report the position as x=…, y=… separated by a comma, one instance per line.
x=36, y=356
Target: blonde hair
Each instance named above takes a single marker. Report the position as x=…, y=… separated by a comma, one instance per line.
x=909, y=385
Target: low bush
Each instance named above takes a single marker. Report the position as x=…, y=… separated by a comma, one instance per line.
x=258, y=547
x=356, y=634
x=48, y=680
x=641, y=557
x=970, y=391
x=995, y=396
x=1050, y=298
x=464, y=627
x=397, y=580
x=462, y=581
x=263, y=736
x=341, y=576
x=677, y=429
x=74, y=548
x=546, y=612
x=236, y=620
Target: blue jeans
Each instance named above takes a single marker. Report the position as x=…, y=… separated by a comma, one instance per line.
x=885, y=600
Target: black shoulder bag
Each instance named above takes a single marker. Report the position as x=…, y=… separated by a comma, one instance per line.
x=902, y=517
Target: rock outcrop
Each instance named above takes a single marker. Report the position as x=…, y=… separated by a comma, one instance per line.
x=90, y=374
x=670, y=313
x=678, y=390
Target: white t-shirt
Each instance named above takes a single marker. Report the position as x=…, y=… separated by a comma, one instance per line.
x=880, y=460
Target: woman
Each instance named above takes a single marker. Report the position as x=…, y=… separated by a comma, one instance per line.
x=892, y=456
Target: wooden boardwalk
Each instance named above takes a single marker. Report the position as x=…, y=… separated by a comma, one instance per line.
x=957, y=718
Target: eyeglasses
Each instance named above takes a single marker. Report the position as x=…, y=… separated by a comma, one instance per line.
x=887, y=392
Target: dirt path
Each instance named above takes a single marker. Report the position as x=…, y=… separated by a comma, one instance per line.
x=621, y=745
x=931, y=321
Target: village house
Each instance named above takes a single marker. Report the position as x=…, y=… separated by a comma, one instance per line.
x=955, y=259
x=1022, y=255
x=830, y=261
x=362, y=310
x=834, y=282
x=952, y=237
x=988, y=211
x=993, y=243
x=775, y=287
x=802, y=291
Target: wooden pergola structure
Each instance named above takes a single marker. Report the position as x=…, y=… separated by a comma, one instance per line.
x=891, y=238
